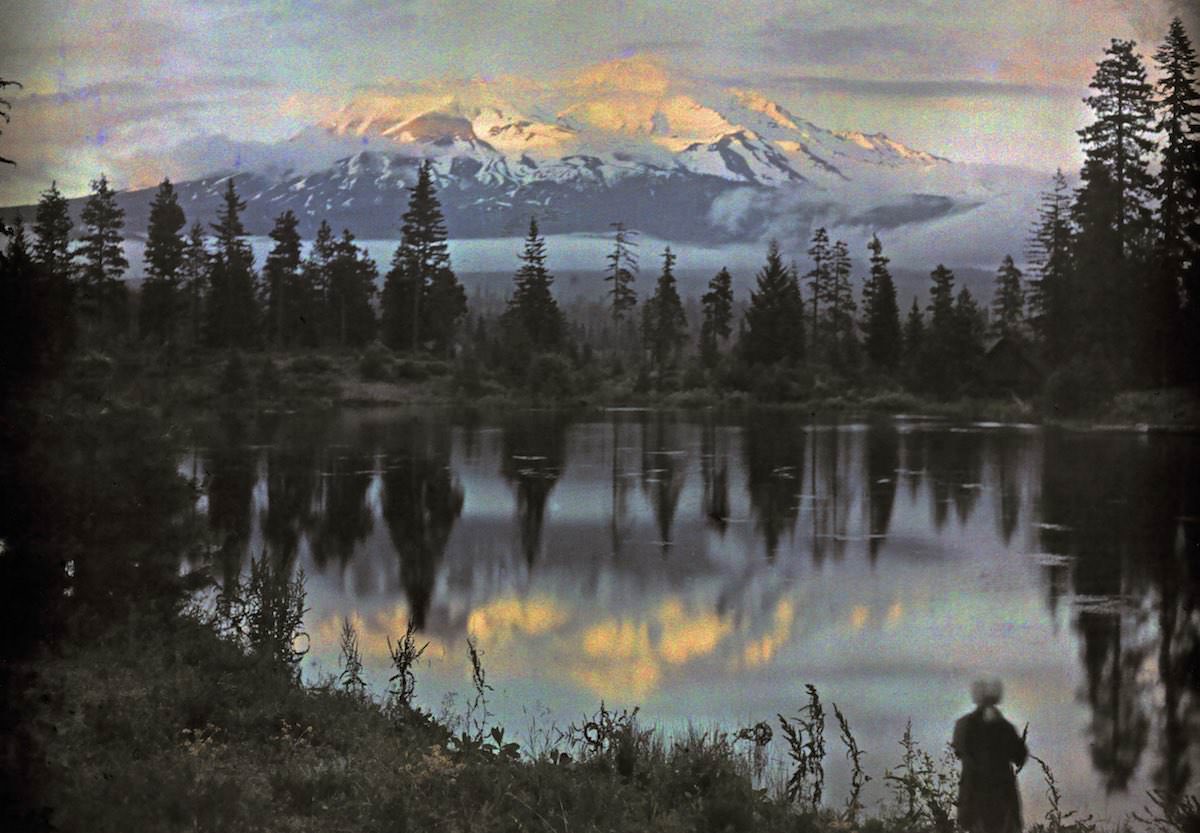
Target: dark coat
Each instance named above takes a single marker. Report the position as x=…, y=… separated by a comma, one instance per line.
x=988, y=801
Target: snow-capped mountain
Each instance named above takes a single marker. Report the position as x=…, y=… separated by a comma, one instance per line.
x=621, y=141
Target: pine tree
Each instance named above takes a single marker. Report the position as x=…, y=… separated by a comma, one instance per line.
x=421, y=275
x=1179, y=202
x=664, y=325
x=622, y=273
x=532, y=321
x=840, y=306
x=1119, y=140
x=1051, y=257
x=281, y=278
x=717, y=306
x=232, y=309
x=164, y=258
x=939, y=363
x=314, y=314
x=967, y=338
x=1111, y=210
x=102, y=250
x=818, y=280
x=52, y=227
x=882, y=314
x=1008, y=304
x=914, y=336
x=194, y=276
x=774, y=323
x=352, y=276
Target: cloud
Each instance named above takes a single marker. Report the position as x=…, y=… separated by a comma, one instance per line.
x=902, y=88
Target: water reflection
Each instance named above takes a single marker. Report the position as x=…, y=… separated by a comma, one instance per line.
x=704, y=567
x=534, y=455
x=421, y=502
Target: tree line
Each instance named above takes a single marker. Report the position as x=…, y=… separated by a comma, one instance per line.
x=1112, y=296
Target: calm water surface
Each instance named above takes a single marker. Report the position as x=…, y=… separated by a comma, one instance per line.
x=705, y=567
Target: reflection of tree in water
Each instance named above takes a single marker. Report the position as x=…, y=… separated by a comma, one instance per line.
x=912, y=450
x=773, y=443
x=883, y=459
x=293, y=471
x=345, y=518
x=1004, y=449
x=714, y=469
x=231, y=469
x=663, y=470
x=534, y=447
x=955, y=466
x=421, y=502
x=1115, y=504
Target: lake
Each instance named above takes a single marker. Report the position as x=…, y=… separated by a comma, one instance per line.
x=704, y=567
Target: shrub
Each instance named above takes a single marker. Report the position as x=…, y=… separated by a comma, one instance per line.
x=311, y=364
x=376, y=363
x=409, y=370
x=549, y=376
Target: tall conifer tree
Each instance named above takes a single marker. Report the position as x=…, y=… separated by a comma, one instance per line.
x=102, y=251
x=818, y=281
x=622, y=272
x=1053, y=300
x=1178, y=192
x=422, y=300
x=717, y=309
x=165, y=246
x=532, y=320
x=232, y=308
x=281, y=277
x=1008, y=304
x=352, y=276
x=194, y=274
x=52, y=228
x=881, y=313
x=774, y=323
x=664, y=325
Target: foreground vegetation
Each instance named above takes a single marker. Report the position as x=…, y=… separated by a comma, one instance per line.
x=198, y=722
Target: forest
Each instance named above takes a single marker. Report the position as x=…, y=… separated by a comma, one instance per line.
x=1109, y=301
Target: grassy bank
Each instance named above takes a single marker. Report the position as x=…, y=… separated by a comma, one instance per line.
x=377, y=377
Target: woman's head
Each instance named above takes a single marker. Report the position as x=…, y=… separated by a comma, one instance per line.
x=987, y=691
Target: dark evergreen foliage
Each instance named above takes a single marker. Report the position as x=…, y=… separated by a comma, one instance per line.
x=165, y=246
x=775, y=318
x=232, y=311
x=840, y=308
x=1008, y=304
x=36, y=325
x=1053, y=297
x=664, y=325
x=423, y=302
x=351, y=286
x=881, y=323
x=194, y=278
x=532, y=321
x=717, y=306
x=52, y=227
x=1178, y=191
x=101, y=288
x=914, y=337
x=622, y=272
x=818, y=281
x=283, y=303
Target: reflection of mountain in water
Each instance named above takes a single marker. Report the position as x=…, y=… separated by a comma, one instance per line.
x=428, y=515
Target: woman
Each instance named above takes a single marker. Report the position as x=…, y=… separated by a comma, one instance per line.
x=990, y=748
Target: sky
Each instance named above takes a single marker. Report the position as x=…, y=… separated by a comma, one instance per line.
x=114, y=85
